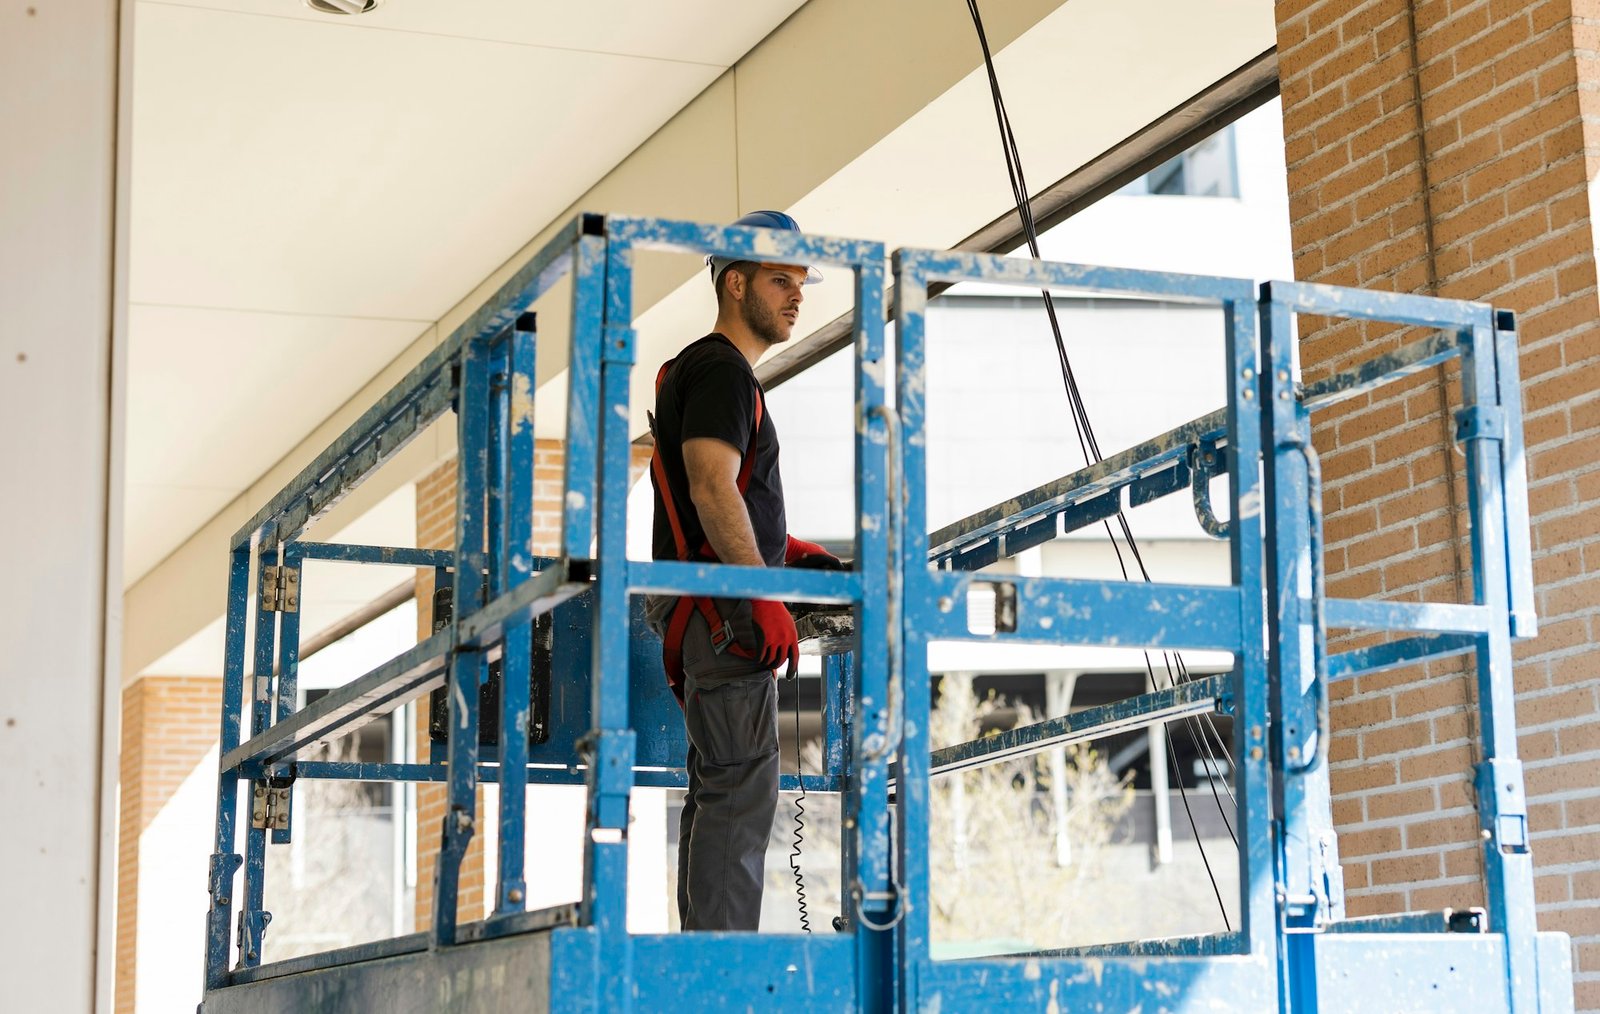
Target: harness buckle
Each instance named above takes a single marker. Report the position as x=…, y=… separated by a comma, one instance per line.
x=722, y=638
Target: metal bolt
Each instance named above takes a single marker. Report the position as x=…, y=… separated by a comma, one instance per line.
x=1255, y=732
x=1284, y=395
x=1255, y=753
x=514, y=895
x=1294, y=753
x=1249, y=393
x=1485, y=834
x=1283, y=374
x=946, y=603
x=1249, y=374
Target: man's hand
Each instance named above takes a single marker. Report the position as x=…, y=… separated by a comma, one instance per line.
x=800, y=553
x=779, y=640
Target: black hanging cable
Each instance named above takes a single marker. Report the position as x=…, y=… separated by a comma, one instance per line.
x=1084, y=430
x=799, y=819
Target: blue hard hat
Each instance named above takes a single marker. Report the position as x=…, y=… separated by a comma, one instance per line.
x=761, y=220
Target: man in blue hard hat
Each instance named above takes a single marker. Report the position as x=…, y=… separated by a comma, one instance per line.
x=719, y=496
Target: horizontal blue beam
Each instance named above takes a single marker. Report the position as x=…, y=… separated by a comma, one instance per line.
x=538, y=774
x=1463, y=920
x=1195, y=697
x=397, y=556
x=1370, y=304
x=1437, y=617
x=917, y=267
x=1077, y=611
x=789, y=584
x=1387, y=369
x=738, y=241
x=1204, y=945
x=347, y=708
x=723, y=973
x=1115, y=471
x=1224, y=982
x=1394, y=654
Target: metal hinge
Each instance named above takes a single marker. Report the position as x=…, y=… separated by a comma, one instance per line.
x=280, y=589
x=269, y=810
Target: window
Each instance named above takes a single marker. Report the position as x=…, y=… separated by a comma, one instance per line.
x=1206, y=170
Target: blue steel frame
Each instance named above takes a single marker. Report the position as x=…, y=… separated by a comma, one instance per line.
x=616, y=728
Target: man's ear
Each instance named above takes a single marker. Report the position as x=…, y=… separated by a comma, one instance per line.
x=734, y=282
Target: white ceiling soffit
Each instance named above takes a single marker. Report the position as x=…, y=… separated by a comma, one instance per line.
x=1079, y=77
x=311, y=192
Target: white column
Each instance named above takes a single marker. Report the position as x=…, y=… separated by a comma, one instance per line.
x=1058, y=690
x=61, y=331
x=1160, y=793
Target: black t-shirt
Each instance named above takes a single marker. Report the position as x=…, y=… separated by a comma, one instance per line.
x=710, y=391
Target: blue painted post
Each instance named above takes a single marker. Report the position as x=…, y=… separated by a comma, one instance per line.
x=608, y=324
x=443, y=577
x=1502, y=800
x=467, y=664
x=288, y=671
x=833, y=720
x=253, y=918
x=1298, y=747
x=1253, y=772
x=583, y=392
x=225, y=861
x=516, y=554
x=908, y=661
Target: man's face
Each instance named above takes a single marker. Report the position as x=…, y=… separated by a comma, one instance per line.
x=771, y=303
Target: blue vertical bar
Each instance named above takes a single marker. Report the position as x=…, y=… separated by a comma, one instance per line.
x=288, y=671
x=1253, y=778
x=612, y=768
x=467, y=665
x=833, y=727
x=872, y=903
x=499, y=419
x=516, y=553
x=1502, y=800
x=612, y=740
x=1291, y=677
x=443, y=577
x=224, y=861
x=253, y=918
x=1514, y=469
x=583, y=393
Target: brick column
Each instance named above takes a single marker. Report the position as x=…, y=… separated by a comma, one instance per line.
x=1447, y=147
x=169, y=724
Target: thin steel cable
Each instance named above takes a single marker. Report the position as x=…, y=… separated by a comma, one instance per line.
x=1084, y=430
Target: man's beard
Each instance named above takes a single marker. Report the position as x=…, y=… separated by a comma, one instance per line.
x=763, y=321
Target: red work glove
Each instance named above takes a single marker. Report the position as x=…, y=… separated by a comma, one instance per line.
x=800, y=553
x=779, y=640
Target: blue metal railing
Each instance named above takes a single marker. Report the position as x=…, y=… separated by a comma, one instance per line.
x=613, y=726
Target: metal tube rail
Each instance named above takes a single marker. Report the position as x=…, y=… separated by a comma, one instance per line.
x=1192, y=698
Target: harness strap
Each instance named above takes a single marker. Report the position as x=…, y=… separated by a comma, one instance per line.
x=721, y=633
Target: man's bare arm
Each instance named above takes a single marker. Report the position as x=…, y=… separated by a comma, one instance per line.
x=713, y=469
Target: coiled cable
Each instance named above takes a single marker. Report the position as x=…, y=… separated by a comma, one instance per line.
x=799, y=820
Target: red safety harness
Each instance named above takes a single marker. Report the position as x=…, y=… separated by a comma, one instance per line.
x=721, y=631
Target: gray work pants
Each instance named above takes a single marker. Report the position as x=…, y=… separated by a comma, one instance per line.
x=730, y=708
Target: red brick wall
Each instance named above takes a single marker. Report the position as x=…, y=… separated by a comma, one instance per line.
x=169, y=723
x=1479, y=191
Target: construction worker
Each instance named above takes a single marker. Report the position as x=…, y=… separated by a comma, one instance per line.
x=719, y=496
